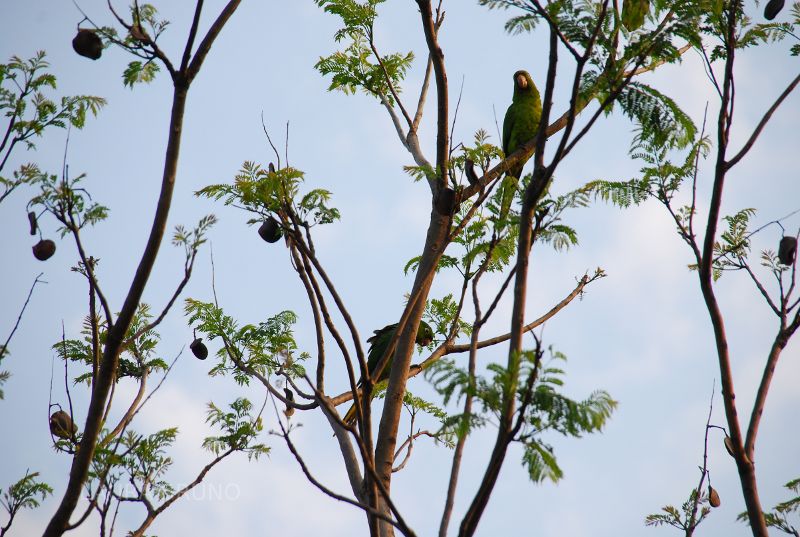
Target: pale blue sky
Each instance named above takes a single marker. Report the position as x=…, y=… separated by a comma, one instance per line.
x=641, y=333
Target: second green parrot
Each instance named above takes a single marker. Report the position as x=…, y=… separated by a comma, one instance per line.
x=378, y=342
x=519, y=126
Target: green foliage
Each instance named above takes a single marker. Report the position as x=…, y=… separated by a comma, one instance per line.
x=138, y=354
x=445, y=261
x=239, y=428
x=22, y=99
x=659, y=120
x=747, y=33
x=482, y=152
x=4, y=376
x=192, y=240
x=418, y=173
x=139, y=72
x=145, y=461
x=147, y=21
x=540, y=406
x=67, y=201
x=140, y=40
x=415, y=406
x=778, y=517
x=359, y=65
x=616, y=52
x=30, y=111
x=734, y=243
x=681, y=518
x=24, y=494
x=263, y=349
x=661, y=179
x=277, y=192
x=442, y=313
x=133, y=467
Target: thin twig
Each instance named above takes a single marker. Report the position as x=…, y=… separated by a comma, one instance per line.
x=4, y=348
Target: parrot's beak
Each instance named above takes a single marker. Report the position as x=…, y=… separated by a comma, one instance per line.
x=522, y=82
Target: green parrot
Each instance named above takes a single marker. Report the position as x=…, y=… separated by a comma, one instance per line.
x=519, y=126
x=377, y=347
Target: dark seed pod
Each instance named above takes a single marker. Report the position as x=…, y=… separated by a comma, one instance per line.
x=32, y=221
x=61, y=425
x=772, y=9
x=44, y=249
x=469, y=168
x=271, y=168
x=88, y=44
x=446, y=201
x=729, y=446
x=270, y=230
x=713, y=497
x=787, y=250
x=199, y=348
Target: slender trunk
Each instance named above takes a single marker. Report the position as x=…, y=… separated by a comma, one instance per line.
x=100, y=389
x=386, y=443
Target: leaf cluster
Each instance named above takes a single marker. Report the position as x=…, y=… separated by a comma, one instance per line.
x=27, y=493
x=67, y=201
x=239, y=428
x=541, y=406
x=23, y=99
x=265, y=348
x=359, y=66
x=682, y=518
x=778, y=517
x=442, y=313
x=140, y=40
x=138, y=354
x=269, y=191
x=584, y=26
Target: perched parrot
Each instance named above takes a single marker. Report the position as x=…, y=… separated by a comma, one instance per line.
x=634, y=12
x=377, y=347
x=519, y=126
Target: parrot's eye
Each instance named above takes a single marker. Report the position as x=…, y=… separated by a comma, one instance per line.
x=522, y=82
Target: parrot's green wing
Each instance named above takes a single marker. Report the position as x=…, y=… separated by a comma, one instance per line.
x=508, y=126
x=378, y=343
x=520, y=125
x=377, y=347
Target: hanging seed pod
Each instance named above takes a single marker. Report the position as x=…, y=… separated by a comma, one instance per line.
x=88, y=44
x=271, y=168
x=199, y=348
x=469, y=169
x=713, y=497
x=61, y=425
x=289, y=409
x=772, y=9
x=270, y=230
x=729, y=446
x=44, y=249
x=787, y=250
x=32, y=222
x=446, y=201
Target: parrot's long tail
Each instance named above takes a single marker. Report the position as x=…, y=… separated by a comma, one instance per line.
x=350, y=417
